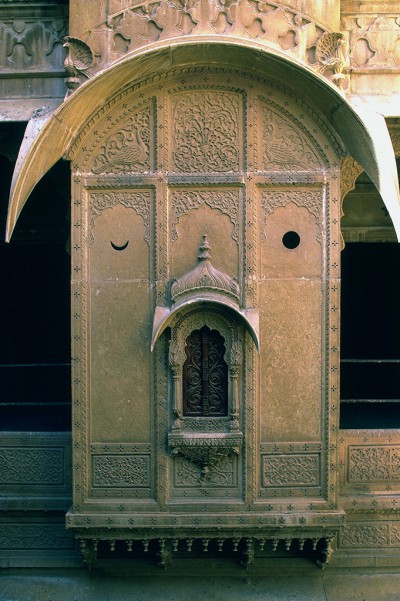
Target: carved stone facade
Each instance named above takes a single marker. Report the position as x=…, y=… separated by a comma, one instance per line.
x=138, y=235
x=214, y=149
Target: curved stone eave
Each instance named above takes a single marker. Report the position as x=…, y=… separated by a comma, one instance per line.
x=364, y=136
x=164, y=316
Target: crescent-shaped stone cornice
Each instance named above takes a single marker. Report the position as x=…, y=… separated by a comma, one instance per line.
x=364, y=136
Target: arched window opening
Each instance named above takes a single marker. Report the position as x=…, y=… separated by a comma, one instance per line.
x=205, y=375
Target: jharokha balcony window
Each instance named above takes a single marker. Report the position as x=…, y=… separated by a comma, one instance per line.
x=205, y=375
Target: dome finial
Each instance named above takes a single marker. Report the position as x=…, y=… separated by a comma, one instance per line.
x=204, y=248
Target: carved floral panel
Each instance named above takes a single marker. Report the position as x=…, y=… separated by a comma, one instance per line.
x=123, y=471
x=290, y=470
x=32, y=466
x=206, y=135
x=35, y=536
x=373, y=463
x=189, y=475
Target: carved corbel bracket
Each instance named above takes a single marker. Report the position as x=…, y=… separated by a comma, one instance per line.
x=331, y=56
x=205, y=450
x=78, y=61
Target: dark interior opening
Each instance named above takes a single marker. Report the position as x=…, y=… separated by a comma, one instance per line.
x=370, y=336
x=35, y=381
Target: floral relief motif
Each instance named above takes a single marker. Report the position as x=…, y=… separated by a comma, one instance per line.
x=349, y=172
x=284, y=147
x=128, y=150
x=226, y=201
x=290, y=470
x=31, y=466
x=364, y=536
x=206, y=136
x=189, y=474
x=137, y=200
x=374, y=463
x=126, y=470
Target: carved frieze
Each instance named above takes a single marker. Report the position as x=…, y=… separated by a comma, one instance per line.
x=365, y=535
x=28, y=466
x=35, y=470
x=206, y=137
x=32, y=44
x=135, y=25
x=35, y=536
x=374, y=40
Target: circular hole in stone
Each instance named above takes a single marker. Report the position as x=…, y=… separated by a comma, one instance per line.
x=291, y=240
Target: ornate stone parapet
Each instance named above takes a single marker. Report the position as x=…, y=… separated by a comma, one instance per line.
x=129, y=26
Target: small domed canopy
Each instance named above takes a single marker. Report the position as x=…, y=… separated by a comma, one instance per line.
x=205, y=285
x=364, y=135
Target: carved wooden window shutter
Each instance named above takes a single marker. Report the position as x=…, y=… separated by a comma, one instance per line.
x=205, y=375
